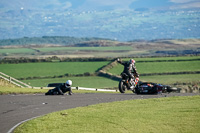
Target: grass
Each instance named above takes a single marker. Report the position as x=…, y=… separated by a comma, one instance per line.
x=173, y=114
x=24, y=70
x=167, y=59
x=161, y=67
x=63, y=50
x=16, y=90
x=170, y=79
x=16, y=51
x=119, y=48
x=100, y=82
x=91, y=82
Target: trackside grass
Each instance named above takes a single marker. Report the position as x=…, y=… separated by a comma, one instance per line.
x=16, y=90
x=173, y=114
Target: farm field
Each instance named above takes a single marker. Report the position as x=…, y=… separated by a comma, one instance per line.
x=171, y=79
x=43, y=73
x=162, y=64
x=161, y=67
x=50, y=49
x=159, y=59
x=66, y=51
x=88, y=81
x=103, y=48
x=16, y=51
x=101, y=82
x=45, y=69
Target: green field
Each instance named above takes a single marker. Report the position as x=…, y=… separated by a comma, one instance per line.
x=161, y=67
x=101, y=82
x=160, y=59
x=166, y=115
x=50, y=49
x=16, y=51
x=90, y=81
x=178, y=58
x=171, y=79
x=24, y=70
x=62, y=50
x=41, y=74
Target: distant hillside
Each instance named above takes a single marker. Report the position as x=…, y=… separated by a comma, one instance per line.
x=121, y=25
x=95, y=48
x=55, y=40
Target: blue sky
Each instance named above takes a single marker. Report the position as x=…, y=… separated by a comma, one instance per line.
x=133, y=4
x=99, y=4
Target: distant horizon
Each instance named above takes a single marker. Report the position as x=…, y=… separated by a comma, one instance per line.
x=89, y=5
x=115, y=19
x=101, y=38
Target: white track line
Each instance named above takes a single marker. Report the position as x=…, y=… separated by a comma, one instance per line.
x=12, y=129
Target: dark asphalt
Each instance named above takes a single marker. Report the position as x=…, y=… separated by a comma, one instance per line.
x=17, y=108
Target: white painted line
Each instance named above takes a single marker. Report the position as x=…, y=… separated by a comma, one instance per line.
x=13, y=128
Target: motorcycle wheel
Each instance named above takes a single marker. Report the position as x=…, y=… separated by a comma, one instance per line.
x=122, y=86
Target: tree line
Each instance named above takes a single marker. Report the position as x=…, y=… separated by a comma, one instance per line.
x=61, y=40
x=50, y=59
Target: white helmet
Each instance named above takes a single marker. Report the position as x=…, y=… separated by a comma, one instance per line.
x=68, y=82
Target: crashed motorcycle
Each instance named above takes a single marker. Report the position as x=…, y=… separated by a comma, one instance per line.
x=139, y=87
x=124, y=83
x=153, y=88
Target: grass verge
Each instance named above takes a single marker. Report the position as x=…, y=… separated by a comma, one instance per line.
x=174, y=114
x=16, y=90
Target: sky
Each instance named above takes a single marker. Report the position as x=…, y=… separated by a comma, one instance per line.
x=99, y=4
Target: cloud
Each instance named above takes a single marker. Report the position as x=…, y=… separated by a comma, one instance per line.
x=119, y=4
x=186, y=5
x=67, y=5
x=58, y=4
x=182, y=1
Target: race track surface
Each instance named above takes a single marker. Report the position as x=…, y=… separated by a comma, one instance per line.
x=17, y=108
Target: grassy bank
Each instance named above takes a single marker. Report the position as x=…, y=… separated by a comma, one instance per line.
x=174, y=114
x=16, y=90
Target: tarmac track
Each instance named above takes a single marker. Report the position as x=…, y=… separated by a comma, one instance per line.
x=17, y=108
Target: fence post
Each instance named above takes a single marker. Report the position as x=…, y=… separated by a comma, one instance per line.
x=9, y=79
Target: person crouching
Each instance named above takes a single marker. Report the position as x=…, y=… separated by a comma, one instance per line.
x=62, y=89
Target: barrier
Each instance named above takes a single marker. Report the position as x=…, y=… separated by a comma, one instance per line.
x=13, y=81
x=79, y=88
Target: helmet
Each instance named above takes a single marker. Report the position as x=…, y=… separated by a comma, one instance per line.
x=132, y=61
x=68, y=83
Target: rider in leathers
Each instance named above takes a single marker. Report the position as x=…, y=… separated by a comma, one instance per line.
x=129, y=69
x=61, y=89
